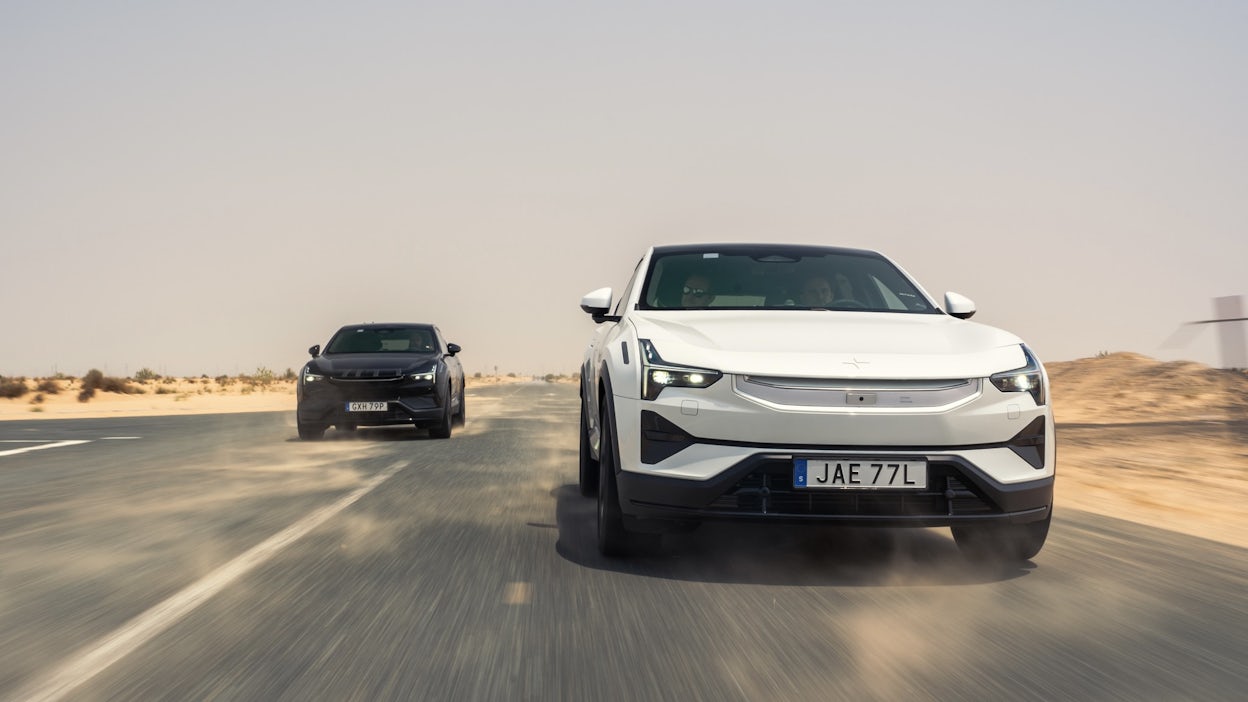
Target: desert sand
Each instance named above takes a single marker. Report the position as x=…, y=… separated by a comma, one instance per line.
x=165, y=396
x=172, y=396
x=1164, y=444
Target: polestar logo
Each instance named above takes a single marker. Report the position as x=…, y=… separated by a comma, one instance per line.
x=856, y=363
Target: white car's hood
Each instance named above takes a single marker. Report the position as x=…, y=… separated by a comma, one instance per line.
x=830, y=344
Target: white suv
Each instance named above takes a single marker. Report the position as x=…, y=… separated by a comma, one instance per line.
x=808, y=383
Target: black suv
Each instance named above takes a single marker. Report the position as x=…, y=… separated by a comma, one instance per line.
x=382, y=374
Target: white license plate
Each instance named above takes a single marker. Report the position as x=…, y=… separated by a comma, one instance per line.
x=367, y=406
x=848, y=473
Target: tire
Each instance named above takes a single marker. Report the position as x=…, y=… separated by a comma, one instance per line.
x=613, y=538
x=462, y=415
x=1009, y=543
x=442, y=430
x=310, y=432
x=588, y=474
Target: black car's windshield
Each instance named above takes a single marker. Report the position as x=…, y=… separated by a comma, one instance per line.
x=788, y=278
x=382, y=340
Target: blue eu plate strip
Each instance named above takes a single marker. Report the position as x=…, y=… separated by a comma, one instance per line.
x=799, y=473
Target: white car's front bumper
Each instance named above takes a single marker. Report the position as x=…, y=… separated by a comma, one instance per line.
x=716, y=452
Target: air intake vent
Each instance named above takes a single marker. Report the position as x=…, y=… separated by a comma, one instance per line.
x=369, y=374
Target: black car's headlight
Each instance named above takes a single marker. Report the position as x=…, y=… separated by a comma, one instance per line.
x=658, y=374
x=310, y=377
x=429, y=374
x=1027, y=379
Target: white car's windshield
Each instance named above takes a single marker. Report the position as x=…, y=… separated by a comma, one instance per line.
x=781, y=277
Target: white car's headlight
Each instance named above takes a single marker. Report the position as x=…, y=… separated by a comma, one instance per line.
x=1027, y=379
x=658, y=374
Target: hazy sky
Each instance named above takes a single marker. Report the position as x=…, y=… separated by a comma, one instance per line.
x=214, y=187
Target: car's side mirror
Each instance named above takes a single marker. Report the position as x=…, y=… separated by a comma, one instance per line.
x=597, y=303
x=315, y=350
x=959, y=306
x=452, y=349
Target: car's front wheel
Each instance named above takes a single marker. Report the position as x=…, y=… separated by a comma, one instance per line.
x=310, y=432
x=1004, y=543
x=442, y=430
x=462, y=415
x=588, y=477
x=614, y=539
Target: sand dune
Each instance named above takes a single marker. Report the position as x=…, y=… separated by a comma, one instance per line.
x=1128, y=387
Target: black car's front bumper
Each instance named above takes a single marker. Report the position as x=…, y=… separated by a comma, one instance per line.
x=761, y=488
x=407, y=402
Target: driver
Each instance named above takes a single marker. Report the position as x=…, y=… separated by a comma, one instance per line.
x=696, y=291
x=842, y=288
x=816, y=292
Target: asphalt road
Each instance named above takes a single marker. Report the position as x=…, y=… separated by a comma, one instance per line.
x=218, y=557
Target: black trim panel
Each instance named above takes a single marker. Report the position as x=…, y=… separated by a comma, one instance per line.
x=661, y=439
x=969, y=495
x=1029, y=443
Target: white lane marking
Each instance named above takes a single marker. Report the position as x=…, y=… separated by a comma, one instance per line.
x=118, y=438
x=91, y=660
x=40, y=447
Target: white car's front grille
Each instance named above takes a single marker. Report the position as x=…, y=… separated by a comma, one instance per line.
x=841, y=393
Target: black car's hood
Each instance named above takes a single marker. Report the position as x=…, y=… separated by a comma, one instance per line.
x=366, y=365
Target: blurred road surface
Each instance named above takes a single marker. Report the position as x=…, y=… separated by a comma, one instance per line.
x=218, y=557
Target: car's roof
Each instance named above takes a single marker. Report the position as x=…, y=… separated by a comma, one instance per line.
x=771, y=248
x=388, y=325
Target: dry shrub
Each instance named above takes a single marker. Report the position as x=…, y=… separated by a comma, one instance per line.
x=96, y=380
x=12, y=387
x=262, y=378
x=49, y=386
x=119, y=385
